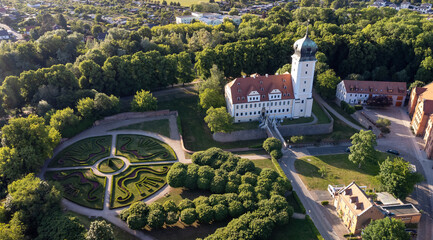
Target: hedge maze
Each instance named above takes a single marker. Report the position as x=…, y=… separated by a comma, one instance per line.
x=83, y=153
x=81, y=186
x=142, y=177
x=138, y=148
x=137, y=183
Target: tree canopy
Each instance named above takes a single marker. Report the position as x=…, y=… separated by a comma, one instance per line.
x=387, y=228
x=362, y=148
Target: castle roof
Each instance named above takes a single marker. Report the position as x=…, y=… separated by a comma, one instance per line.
x=305, y=48
x=375, y=87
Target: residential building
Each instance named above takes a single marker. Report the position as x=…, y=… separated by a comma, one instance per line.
x=395, y=208
x=420, y=109
x=357, y=92
x=4, y=35
x=276, y=96
x=208, y=18
x=355, y=208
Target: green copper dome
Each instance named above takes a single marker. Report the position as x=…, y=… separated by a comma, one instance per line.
x=305, y=48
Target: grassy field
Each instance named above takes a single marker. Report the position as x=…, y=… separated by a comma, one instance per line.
x=245, y=126
x=189, y=2
x=83, y=153
x=81, y=186
x=196, y=134
x=320, y=114
x=339, y=170
x=110, y=165
x=139, y=148
x=343, y=113
x=137, y=183
x=119, y=234
x=296, y=229
x=158, y=126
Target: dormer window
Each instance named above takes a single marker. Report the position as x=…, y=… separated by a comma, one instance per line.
x=239, y=90
x=285, y=87
x=262, y=89
x=243, y=98
x=239, y=83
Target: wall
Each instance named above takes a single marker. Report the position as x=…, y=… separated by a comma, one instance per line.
x=240, y=135
x=297, y=129
x=134, y=115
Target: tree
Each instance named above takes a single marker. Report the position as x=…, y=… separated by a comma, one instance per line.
x=362, y=148
x=416, y=84
x=236, y=209
x=100, y=230
x=27, y=143
x=219, y=120
x=205, y=213
x=383, y=124
x=271, y=144
x=221, y=212
x=327, y=83
x=57, y=225
x=234, y=12
x=215, y=81
x=188, y=216
x=276, y=154
x=14, y=230
x=85, y=107
x=62, y=119
x=185, y=73
x=176, y=176
x=387, y=228
x=156, y=218
x=285, y=68
x=211, y=98
x=143, y=101
x=397, y=177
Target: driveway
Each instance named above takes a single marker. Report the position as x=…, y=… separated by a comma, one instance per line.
x=410, y=148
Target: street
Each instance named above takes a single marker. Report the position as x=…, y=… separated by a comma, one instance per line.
x=17, y=35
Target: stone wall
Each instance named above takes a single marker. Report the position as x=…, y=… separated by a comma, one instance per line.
x=298, y=130
x=240, y=135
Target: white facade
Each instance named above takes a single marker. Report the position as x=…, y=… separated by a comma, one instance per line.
x=208, y=18
x=351, y=98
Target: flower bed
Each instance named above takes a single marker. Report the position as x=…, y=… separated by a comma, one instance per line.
x=83, y=153
x=139, y=148
x=137, y=183
x=81, y=186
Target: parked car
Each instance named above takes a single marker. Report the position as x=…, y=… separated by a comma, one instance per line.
x=392, y=151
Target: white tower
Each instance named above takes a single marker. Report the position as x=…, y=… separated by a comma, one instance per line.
x=303, y=65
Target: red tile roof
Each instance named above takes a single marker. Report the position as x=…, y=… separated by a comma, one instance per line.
x=375, y=87
x=242, y=87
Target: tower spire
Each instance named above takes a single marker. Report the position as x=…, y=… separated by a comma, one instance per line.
x=308, y=24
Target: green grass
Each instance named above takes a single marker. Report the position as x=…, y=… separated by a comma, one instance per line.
x=110, y=165
x=119, y=234
x=137, y=183
x=158, y=126
x=188, y=3
x=245, y=126
x=138, y=148
x=81, y=190
x=264, y=163
x=196, y=134
x=252, y=152
x=343, y=113
x=83, y=153
x=320, y=114
x=295, y=229
x=339, y=170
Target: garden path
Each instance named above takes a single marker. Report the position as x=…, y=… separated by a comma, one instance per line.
x=106, y=129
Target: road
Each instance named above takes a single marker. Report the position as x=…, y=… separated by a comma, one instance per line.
x=17, y=35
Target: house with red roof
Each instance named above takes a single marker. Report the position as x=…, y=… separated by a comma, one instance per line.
x=276, y=96
x=357, y=92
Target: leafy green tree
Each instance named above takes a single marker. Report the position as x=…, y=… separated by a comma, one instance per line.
x=188, y=216
x=219, y=120
x=185, y=203
x=205, y=213
x=285, y=68
x=233, y=12
x=211, y=98
x=191, y=176
x=143, y=101
x=362, y=148
x=176, y=176
x=85, y=107
x=276, y=154
x=327, y=83
x=397, y=177
x=62, y=119
x=215, y=81
x=10, y=93
x=14, y=230
x=57, y=225
x=185, y=73
x=271, y=144
x=387, y=228
x=156, y=218
x=416, y=84
x=236, y=209
x=100, y=230
x=221, y=212
x=91, y=75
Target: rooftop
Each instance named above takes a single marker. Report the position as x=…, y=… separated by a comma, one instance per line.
x=357, y=198
x=375, y=87
x=404, y=209
x=387, y=199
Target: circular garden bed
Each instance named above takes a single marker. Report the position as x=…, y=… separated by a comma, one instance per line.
x=139, y=180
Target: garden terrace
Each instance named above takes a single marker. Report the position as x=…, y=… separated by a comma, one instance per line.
x=83, y=153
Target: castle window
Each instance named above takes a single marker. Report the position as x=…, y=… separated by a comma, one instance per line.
x=242, y=114
x=237, y=114
x=305, y=82
x=302, y=110
x=302, y=101
x=239, y=98
x=237, y=106
x=246, y=106
x=307, y=64
x=303, y=90
x=305, y=72
x=263, y=96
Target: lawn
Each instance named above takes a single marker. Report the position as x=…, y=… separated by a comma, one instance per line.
x=339, y=170
x=245, y=126
x=188, y=3
x=110, y=165
x=137, y=183
x=320, y=114
x=296, y=229
x=196, y=134
x=264, y=163
x=81, y=186
x=119, y=234
x=158, y=126
x=138, y=148
x=83, y=153
x=343, y=113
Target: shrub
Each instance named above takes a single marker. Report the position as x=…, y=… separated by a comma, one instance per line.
x=358, y=107
x=324, y=203
x=272, y=144
x=185, y=203
x=385, y=130
x=156, y=218
x=236, y=209
x=172, y=217
x=221, y=212
x=188, y=216
x=347, y=108
x=297, y=139
x=276, y=154
x=205, y=213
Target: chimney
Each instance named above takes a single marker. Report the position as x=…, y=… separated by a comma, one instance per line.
x=266, y=75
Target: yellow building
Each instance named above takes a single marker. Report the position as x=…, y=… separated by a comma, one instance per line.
x=355, y=208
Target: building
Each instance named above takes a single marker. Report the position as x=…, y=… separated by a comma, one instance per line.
x=4, y=35
x=208, y=18
x=420, y=109
x=395, y=208
x=357, y=92
x=276, y=96
x=355, y=208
